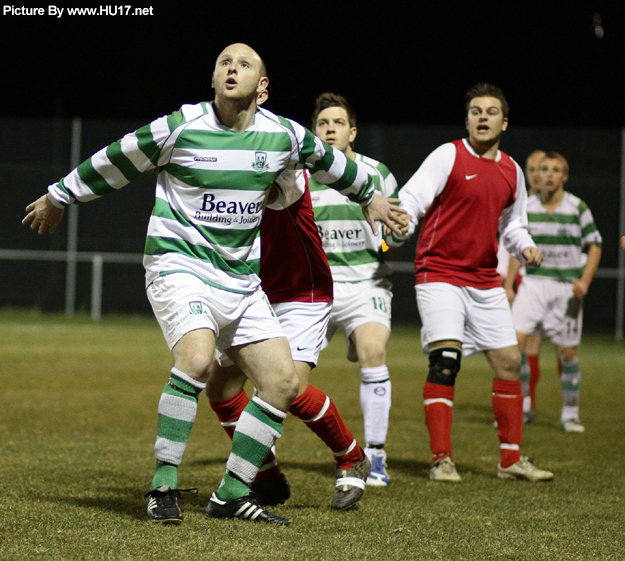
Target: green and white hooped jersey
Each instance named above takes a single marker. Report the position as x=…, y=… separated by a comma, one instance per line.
x=353, y=251
x=211, y=187
x=561, y=236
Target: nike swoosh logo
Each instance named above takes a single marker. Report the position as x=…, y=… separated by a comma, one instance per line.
x=301, y=348
x=470, y=176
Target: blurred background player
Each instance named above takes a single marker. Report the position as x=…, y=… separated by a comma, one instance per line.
x=550, y=297
x=362, y=293
x=464, y=192
x=530, y=363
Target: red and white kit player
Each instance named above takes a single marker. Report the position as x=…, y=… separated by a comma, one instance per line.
x=463, y=193
x=297, y=280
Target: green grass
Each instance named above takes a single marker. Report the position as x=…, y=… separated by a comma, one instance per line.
x=77, y=425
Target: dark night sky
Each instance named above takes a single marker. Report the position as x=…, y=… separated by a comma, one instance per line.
x=394, y=64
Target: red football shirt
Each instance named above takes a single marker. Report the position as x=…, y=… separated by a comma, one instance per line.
x=458, y=239
x=293, y=265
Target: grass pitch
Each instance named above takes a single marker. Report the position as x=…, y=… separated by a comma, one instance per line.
x=77, y=425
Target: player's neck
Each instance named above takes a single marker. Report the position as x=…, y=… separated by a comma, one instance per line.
x=350, y=153
x=551, y=201
x=485, y=149
x=235, y=115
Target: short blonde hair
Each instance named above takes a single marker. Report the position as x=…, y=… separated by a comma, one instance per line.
x=557, y=156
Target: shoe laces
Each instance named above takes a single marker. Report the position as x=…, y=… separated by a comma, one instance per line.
x=168, y=497
x=526, y=462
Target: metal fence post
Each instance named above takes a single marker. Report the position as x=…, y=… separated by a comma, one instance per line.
x=72, y=226
x=96, y=287
x=620, y=284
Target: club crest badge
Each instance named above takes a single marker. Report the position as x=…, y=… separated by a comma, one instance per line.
x=196, y=308
x=261, y=162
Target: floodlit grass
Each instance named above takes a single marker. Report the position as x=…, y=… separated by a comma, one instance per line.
x=77, y=425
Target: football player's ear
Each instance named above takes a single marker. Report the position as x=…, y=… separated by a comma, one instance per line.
x=261, y=97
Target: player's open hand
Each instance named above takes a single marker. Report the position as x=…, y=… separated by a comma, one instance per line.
x=533, y=256
x=43, y=215
x=388, y=212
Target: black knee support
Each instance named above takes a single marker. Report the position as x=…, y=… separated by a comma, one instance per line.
x=444, y=366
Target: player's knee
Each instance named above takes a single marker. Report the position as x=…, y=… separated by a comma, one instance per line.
x=507, y=365
x=444, y=366
x=287, y=383
x=197, y=365
x=568, y=354
x=371, y=353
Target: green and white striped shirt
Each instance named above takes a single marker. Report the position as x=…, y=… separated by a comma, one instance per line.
x=561, y=236
x=211, y=188
x=353, y=251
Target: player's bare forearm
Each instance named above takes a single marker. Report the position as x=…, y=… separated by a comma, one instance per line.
x=386, y=211
x=533, y=256
x=514, y=266
x=43, y=216
x=580, y=287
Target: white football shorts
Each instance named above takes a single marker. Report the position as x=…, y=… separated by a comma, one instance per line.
x=548, y=308
x=479, y=318
x=182, y=303
x=305, y=325
x=356, y=303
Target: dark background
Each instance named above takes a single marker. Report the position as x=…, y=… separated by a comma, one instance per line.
x=404, y=70
x=397, y=62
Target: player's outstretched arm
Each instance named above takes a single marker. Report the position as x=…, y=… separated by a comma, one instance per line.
x=533, y=256
x=386, y=211
x=43, y=215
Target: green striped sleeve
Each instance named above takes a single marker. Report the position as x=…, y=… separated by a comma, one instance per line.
x=121, y=161
x=582, y=207
x=309, y=145
x=147, y=144
x=93, y=179
x=286, y=123
x=589, y=229
x=175, y=120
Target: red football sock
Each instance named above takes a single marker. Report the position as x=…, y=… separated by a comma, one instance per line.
x=228, y=413
x=533, y=361
x=508, y=409
x=439, y=403
x=318, y=411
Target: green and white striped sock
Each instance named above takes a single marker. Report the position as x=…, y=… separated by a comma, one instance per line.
x=570, y=382
x=259, y=426
x=176, y=414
